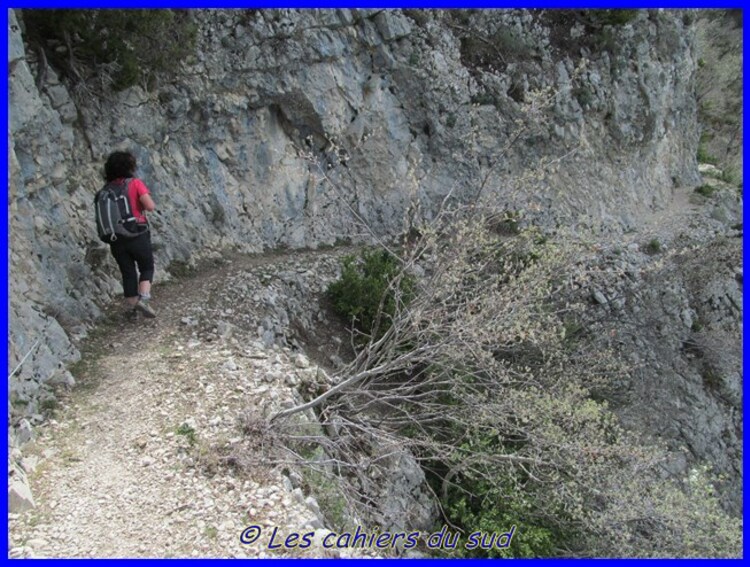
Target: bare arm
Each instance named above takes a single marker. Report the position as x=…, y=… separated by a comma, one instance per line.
x=147, y=202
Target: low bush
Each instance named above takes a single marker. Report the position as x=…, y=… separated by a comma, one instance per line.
x=653, y=246
x=616, y=17
x=705, y=190
x=370, y=289
x=704, y=157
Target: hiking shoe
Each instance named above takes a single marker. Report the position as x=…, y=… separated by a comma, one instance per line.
x=145, y=308
x=131, y=314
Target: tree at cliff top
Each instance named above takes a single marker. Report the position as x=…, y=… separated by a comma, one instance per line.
x=111, y=48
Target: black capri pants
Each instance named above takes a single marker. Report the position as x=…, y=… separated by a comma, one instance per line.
x=132, y=252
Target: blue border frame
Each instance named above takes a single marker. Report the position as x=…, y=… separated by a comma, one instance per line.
x=704, y=4
x=6, y=238
x=745, y=123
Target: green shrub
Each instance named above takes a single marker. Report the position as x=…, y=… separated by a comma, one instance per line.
x=616, y=17
x=511, y=43
x=495, y=507
x=493, y=51
x=128, y=46
x=484, y=99
x=653, y=246
x=704, y=157
x=583, y=95
x=328, y=494
x=50, y=404
x=527, y=541
x=370, y=289
x=188, y=432
x=730, y=176
x=508, y=223
x=705, y=190
x=573, y=330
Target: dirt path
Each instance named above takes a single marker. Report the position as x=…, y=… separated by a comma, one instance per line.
x=131, y=465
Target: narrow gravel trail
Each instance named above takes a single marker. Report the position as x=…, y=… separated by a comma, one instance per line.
x=131, y=463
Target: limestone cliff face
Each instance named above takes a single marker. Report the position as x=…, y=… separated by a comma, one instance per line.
x=719, y=89
x=566, y=121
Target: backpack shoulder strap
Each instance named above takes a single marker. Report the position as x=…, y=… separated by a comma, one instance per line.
x=126, y=194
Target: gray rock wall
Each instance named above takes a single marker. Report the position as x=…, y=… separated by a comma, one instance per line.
x=390, y=106
x=719, y=89
x=676, y=318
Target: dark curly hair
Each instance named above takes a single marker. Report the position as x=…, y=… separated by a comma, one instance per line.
x=119, y=164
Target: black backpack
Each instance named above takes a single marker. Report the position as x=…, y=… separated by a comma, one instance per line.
x=114, y=219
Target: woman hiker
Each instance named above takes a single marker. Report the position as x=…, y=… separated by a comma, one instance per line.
x=134, y=255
